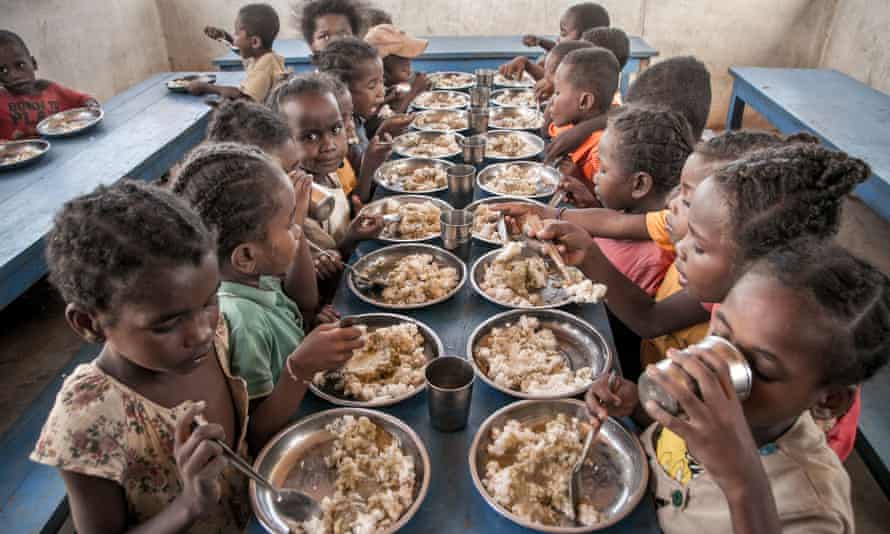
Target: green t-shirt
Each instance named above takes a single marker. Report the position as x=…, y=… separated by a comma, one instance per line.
x=265, y=326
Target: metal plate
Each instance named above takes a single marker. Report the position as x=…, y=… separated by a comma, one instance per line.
x=549, y=178
x=398, y=144
x=432, y=348
x=459, y=100
x=533, y=144
x=305, y=444
x=497, y=98
x=498, y=200
x=461, y=80
x=534, y=119
x=393, y=253
x=70, y=122
x=388, y=175
x=10, y=151
x=525, y=81
x=180, y=85
x=580, y=344
x=616, y=487
x=378, y=205
x=426, y=121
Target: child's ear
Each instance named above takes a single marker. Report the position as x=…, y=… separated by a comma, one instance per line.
x=586, y=102
x=244, y=258
x=641, y=185
x=256, y=42
x=833, y=402
x=84, y=323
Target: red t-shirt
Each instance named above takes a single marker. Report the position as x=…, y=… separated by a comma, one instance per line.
x=21, y=113
x=642, y=262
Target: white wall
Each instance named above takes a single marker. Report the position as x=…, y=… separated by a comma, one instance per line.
x=859, y=42
x=97, y=46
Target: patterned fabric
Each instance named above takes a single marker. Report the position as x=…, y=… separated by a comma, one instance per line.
x=100, y=427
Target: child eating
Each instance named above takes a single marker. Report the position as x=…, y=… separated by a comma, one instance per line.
x=544, y=86
x=397, y=48
x=25, y=100
x=256, y=27
x=324, y=21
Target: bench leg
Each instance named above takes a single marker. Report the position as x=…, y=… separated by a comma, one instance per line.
x=735, y=112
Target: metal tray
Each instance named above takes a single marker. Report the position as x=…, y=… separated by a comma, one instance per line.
x=305, y=444
x=468, y=80
x=497, y=95
x=498, y=200
x=432, y=348
x=14, y=148
x=388, y=174
x=547, y=186
x=432, y=115
x=377, y=207
x=580, y=343
x=398, y=144
x=393, y=253
x=81, y=120
x=616, y=486
x=462, y=100
x=525, y=81
x=180, y=85
x=534, y=144
x=535, y=118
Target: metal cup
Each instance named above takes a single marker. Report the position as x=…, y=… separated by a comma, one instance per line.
x=480, y=96
x=449, y=389
x=321, y=203
x=460, y=185
x=484, y=77
x=478, y=118
x=457, y=229
x=473, y=148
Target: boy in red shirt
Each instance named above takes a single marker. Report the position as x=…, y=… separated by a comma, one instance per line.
x=25, y=100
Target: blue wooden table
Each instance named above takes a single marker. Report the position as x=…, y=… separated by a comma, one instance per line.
x=146, y=129
x=844, y=113
x=452, y=54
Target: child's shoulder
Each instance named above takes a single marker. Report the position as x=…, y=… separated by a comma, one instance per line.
x=245, y=307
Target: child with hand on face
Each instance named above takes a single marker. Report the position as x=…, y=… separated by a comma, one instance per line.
x=256, y=27
x=25, y=100
x=397, y=48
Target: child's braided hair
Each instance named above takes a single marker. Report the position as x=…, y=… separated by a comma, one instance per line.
x=733, y=144
x=777, y=195
x=680, y=83
x=588, y=15
x=342, y=57
x=612, y=39
x=653, y=140
x=100, y=241
x=233, y=187
x=305, y=16
x=305, y=83
x=854, y=294
x=241, y=121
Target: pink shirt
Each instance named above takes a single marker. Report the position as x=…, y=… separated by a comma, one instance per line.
x=642, y=262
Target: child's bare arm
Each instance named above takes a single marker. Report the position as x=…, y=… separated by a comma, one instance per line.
x=602, y=222
x=199, y=88
x=218, y=33
x=534, y=40
x=535, y=69
x=300, y=283
x=379, y=149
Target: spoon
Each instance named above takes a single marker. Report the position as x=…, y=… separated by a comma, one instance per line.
x=362, y=282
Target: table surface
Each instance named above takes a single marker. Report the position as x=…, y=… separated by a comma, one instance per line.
x=296, y=51
x=145, y=130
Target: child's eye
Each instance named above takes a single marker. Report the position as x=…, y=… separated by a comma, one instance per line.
x=337, y=129
x=165, y=327
x=4, y=70
x=312, y=137
x=698, y=249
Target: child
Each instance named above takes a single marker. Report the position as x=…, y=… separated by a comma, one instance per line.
x=25, y=100
x=375, y=16
x=761, y=464
x=246, y=197
x=397, y=48
x=324, y=21
x=256, y=27
x=139, y=273
x=574, y=21
x=544, y=86
x=615, y=41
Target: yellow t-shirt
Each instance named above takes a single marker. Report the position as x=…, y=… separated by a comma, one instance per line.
x=262, y=74
x=346, y=174
x=655, y=349
x=656, y=222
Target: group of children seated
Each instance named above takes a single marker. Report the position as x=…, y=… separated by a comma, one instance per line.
x=211, y=297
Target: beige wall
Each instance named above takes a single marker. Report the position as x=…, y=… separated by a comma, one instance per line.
x=859, y=42
x=96, y=46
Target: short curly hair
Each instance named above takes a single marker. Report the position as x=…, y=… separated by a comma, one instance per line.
x=101, y=241
x=260, y=20
x=559, y=51
x=305, y=83
x=249, y=123
x=854, y=295
x=612, y=39
x=653, y=140
x=342, y=58
x=680, y=83
x=233, y=187
x=588, y=15
x=777, y=195
x=734, y=144
x=305, y=16
x=10, y=37
x=593, y=69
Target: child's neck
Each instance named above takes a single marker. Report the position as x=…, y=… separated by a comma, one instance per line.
x=586, y=115
x=652, y=202
x=229, y=273
x=770, y=434
x=258, y=53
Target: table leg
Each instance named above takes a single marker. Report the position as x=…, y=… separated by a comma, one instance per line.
x=735, y=112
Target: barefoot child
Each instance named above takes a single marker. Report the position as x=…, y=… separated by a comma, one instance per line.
x=397, y=49
x=256, y=27
x=324, y=21
x=138, y=271
x=25, y=100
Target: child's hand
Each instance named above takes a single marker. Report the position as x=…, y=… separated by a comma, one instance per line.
x=518, y=210
x=328, y=266
x=714, y=427
x=420, y=83
x=572, y=242
x=578, y=194
x=395, y=125
x=379, y=149
x=365, y=226
x=530, y=40
x=199, y=462
x=392, y=94
x=302, y=182
x=543, y=90
x=92, y=103
x=327, y=314
x=326, y=348
x=197, y=88
x=513, y=69
x=215, y=33
x=617, y=400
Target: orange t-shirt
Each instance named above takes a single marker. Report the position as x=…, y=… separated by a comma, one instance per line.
x=346, y=174
x=656, y=227
x=587, y=155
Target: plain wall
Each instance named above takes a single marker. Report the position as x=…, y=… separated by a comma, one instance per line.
x=858, y=42
x=99, y=47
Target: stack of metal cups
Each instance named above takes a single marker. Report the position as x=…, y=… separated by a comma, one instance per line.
x=480, y=95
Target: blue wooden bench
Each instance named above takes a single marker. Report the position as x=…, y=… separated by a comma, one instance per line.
x=145, y=130
x=452, y=54
x=850, y=116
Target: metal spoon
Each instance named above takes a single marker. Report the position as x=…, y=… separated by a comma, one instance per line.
x=362, y=282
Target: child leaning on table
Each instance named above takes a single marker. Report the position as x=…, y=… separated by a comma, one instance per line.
x=761, y=464
x=25, y=100
x=268, y=282
x=256, y=27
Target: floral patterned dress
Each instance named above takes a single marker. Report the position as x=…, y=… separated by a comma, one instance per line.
x=100, y=427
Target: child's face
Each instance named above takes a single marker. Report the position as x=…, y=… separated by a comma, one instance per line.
x=569, y=104
x=613, y=184
x=568, y=28
x=706, y=256
x=246, y=45
x=344, y=102
x=695, y=170
x=367, y=88
x=169, y=326
x=318, y=131
x=275, y=254
x=757, y=317
x=396, y=70
x=675, y=222
x=329, y=28
x=16, y=69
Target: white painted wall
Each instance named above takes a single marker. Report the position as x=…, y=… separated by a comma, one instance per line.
x=859, y=42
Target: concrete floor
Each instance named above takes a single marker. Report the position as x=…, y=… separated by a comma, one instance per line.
x=36, y=343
